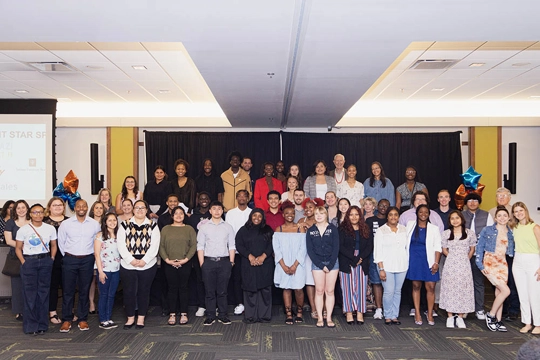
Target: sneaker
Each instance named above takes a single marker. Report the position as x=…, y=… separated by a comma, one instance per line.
x=491, y=322
x=465, y=315
x=66, y=326
x=105, y=325
x=208, y=321
x=239, y=310
x=224, y=320
x=412, y=312
x=112, y=324
x=460, y=323
x=434, y=313
x=378, y=314
x=450, y=322
x=481, y=315
x=500, y=326
x=83, y=326
x=200, y=312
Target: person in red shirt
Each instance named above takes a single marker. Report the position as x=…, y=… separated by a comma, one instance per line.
x=266, y=184
x=274, y=216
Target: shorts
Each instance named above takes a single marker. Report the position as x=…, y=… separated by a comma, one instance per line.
x=336, y=266
x=374, y=277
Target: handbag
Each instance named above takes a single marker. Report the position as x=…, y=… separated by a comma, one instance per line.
x=12, y=267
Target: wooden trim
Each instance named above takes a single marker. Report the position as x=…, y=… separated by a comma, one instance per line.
x=499, y=156
x=464, y=143
x=136, y=152
x=109, y=166
x=472, y=150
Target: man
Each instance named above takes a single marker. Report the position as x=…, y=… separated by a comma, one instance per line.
x=476, y=219
x=165, y=218
x=209, y=182
x=421, y=198
x=76, y=243
x=298, y=197
x=237, y=218
x=511, y=307
x=274, y=216
x=339, y=172
x=215, y=251
x=374, y=223
x=443, y=197
x=200, y=216
x=234, y=179
x=247, y=164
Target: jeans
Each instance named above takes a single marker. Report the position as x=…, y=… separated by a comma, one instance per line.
x=76, y=272
x=107, y=293
x=392, y=294
x=36, y=279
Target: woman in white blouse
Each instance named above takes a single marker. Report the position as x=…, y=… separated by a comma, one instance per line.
x=391, y=254
x=351, y=189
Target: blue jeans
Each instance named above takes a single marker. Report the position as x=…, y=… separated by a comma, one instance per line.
x=36, y=280
x=107, y=292
x=392, y=294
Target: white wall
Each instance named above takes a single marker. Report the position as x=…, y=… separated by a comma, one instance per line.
x=73, y=153
x=528, y=169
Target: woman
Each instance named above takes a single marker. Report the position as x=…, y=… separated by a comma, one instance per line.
x=292, y=184
x=526, y=268
x=280, y=173
x=105, y=197
x=108, y=267
x=97, y=211
x=495, y=242
x=369, y=207
x=305, y=223
x=322, y=244
x=254, y=244
x=289, y=243
x=343, y=206
x=36, y=249
x=378, y=185
x=138, y=245
x=355, y=248
x=405, y=191
x=5, y=215
x=55, y=214
x=264, y=185
x=177, y=246
x=391, y=254
x=457, y=287
x=156, y=192
x=20, y=216
x=130, y=191
x=183, y=186
x=210, y=182
x=127, y=211
x=294, y=170
x=319, y=183
x=330, y=201
x=351, y=189
x=424, y=255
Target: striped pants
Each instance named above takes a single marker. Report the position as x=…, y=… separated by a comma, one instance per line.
x=353, y=288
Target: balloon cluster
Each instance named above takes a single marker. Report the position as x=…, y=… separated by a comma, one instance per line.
x=67, y=190
x=471, y=184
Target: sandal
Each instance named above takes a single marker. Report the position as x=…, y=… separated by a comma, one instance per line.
x=314, y=315
x=55, y=319
x=183, y=319
x=299, y=317
x=172, y=319
x=330, y=324
x=289, y=320
x=320, y=324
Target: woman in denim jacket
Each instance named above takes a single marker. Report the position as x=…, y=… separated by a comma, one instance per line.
x=495, y=242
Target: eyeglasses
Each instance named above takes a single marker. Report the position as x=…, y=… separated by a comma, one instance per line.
x=140, y=208
x=500, y=196
x=472, y=201
x=36, y=212
x=410, y=172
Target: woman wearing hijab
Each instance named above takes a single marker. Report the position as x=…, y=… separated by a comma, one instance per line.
x=254, y=244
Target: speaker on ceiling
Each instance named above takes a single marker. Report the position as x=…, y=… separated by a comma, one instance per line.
x=96, y=180
x=510, y=180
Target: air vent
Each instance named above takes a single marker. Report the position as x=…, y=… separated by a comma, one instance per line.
x=52, y=66
x=433, y=64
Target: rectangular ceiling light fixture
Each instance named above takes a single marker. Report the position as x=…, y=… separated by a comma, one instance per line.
x=52, y=66
x=434, y=64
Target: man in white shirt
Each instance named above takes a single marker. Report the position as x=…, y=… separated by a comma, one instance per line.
x=237, y=218
x=339, y=172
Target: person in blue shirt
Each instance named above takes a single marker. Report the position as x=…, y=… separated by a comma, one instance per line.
x=378, y=185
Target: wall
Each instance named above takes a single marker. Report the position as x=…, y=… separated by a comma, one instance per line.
x=73, y=153
x=528, y=170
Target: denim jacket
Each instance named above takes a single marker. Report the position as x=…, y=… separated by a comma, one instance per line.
x=487, y=242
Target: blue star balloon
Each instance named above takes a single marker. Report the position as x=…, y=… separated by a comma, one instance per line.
x=63, y=194
x=470, y=178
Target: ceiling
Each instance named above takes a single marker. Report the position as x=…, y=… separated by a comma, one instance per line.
x=276, y=64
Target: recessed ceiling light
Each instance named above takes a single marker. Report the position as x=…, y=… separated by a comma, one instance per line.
x=477, y=64
x=437, y=89
x=164, y=91
x=521, y=64
x=21, y=91
x=138, y=67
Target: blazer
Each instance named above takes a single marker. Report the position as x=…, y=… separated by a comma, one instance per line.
x=311, y=189
x=347, y=244
x=262, y=190
x=433, y=240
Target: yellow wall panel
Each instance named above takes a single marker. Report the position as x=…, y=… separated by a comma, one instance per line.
x=122, y=157
x=486, y=160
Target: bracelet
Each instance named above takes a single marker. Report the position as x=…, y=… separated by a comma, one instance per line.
x=381, y=269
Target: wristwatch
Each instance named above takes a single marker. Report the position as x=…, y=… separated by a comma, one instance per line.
x=232, y=263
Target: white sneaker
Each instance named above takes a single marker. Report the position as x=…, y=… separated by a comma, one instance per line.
x=239, y=310
x=200, y=312
x=450, y=322
x=481, y=315
x=460, y=323
x=412, y=312
x=378, y=314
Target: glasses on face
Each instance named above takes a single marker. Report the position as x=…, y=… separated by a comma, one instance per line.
x=501, y=196
x=410, y=172
x=36, y=212
x=140, y=208
x=472, y=201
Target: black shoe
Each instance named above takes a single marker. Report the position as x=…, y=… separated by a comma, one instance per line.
x=19, y=317
x=94, y=312
x=208, y=321
x=500, y=327
x=128, y=326
x=41, y=332
x=139, y=327
x=224, y=320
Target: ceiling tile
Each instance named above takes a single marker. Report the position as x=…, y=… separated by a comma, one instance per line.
x=31, y=55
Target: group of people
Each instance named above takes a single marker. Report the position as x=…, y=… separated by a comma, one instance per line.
x=311, y=238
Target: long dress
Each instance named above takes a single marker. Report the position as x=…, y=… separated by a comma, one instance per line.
x=495, y=263
x=457, y=286
x=419, y=269
x=290, y=247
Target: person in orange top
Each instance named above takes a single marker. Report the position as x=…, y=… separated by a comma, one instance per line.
x=266, y=184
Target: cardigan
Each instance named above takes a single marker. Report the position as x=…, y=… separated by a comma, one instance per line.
x=347, y=244
x=311, y=189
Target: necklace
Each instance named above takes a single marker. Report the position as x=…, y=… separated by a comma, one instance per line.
x=342, y=177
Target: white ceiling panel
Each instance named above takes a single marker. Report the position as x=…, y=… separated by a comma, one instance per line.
x=491, y=55
x=7, y=95
x=129, y=57
x=90, y=66
x=15, y=67
x=31, y=55
x=526, y=94
x=471, y=89
x=81, y=56
x=6, y=59
x=468, y=73
x=106, y=75
x=25, y=75
x=488, y=63
x=500, y=92
x=444, y=54
x=502, y=74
